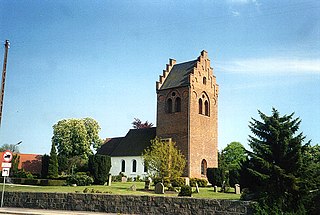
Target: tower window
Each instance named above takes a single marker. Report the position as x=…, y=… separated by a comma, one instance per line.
x=169, y=105
x=177, y=104
x=123, y=166
x=200, y=106
x=206, y=108
x=203, y=167
x=134, y=166
x=204, y=80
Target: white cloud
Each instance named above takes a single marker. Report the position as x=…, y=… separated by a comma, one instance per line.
x=271, y=66
x=235, y=13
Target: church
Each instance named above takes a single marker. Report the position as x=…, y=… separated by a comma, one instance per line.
x=187, y=113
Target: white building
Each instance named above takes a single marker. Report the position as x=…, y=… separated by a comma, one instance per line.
x=126, y=152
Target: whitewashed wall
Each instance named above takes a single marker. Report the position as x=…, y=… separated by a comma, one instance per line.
x=116, y=166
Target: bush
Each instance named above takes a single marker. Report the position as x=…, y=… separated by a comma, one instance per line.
x=165, y=181
x=185, y=191
x=23, y=174
x=200, y=181
x=178, y=182
x=118, y=178
x=80, y=179
x=215, y=176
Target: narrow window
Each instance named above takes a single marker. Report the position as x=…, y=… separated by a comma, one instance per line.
x=204, y=80
x=123, y=166
x=169, y=105
x=145, y=168
x=200, y=106
x=134, y=166
x=178, y=105
x=206, y=108
x=203, y=167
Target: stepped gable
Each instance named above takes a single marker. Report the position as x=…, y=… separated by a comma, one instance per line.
x=178, y=75
x=134, y=143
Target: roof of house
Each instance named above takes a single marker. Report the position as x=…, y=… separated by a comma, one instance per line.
x=179, y=75
x=133, y=144
x=110, y=144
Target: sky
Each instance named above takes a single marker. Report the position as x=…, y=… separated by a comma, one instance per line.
x=101, y=59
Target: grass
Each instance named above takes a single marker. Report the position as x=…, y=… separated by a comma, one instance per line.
x=119, y=188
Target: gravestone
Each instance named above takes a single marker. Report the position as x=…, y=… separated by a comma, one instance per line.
x=237, y=188
x=159, y=189
x=147, y=184
x=215, y=189
x=133, y=188
x=187, y=181
x=124, y=179
x=197, y=188
x=109, y=180
x=223, y=187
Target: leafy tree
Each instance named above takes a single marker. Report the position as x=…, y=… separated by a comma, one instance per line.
x=137, y=124
x=12, y=147
x=230, y=162
x=275, y=163
x=163, y=159
x=73, y=139
x=53, y=163
x=99, y=166
x=233, y=155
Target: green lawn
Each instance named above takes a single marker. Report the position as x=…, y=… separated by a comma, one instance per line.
x=119, y=189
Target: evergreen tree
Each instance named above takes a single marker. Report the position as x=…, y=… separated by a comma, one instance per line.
x=53, y=163
x=275, y=163
x=45, y=165
x=99, y=166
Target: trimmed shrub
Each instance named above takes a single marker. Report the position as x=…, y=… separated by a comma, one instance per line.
x=80, y=179
x=200, y=181
x=185, y=191
x=50, y=182
x=178, y=182
x=32, y=181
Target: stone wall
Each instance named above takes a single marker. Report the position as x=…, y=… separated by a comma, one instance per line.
x=125, y=204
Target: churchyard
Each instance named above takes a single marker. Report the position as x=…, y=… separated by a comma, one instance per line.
x=120, y=188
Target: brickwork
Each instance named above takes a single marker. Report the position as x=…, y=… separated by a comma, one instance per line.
x=126, y=204
x=196, y=134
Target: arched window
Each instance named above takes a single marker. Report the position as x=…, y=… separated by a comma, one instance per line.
x=204, y=80
x=134, y=166
x=123, y=166
x=200, y=106
x=203, y=167
x=177, y=105
x=169, y=105
x=206, y=108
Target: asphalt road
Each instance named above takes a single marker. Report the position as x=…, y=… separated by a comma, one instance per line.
x=28, y=211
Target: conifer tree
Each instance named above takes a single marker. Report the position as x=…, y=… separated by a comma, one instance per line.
x=53, y=163
x=275, y=163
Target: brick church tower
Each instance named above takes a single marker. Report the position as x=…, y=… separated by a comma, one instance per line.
x=187, y=112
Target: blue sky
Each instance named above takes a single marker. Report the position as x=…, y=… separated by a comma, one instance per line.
x=101, y=59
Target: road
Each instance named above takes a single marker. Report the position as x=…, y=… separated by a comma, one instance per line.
x=28, y=211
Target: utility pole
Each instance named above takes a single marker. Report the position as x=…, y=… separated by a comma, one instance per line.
x=7, y=46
